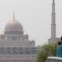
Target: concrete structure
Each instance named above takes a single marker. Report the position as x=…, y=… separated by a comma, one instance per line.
x=53, y=38
x=54, y=59
x=15, y=46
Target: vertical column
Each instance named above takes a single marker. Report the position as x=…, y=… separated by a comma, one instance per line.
x=53, y=24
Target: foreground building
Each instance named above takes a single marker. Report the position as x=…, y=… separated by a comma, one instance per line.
x=15, y=46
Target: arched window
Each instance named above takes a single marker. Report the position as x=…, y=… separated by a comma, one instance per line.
x=33, y=50
x=8, y=50
x=20, y=50
x=14, y=50
x=2, y=50
x=27, y=51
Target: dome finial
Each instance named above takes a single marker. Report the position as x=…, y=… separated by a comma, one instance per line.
x=13, y=15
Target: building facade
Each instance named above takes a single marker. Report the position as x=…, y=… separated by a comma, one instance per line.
x=15, y=46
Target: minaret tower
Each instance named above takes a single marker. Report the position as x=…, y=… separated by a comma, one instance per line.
x=53, y=23
x=53, y=39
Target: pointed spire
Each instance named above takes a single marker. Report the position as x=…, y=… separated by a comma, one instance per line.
x=13, y=15
x=53, y=12
x=53, y=1
x=53, y=6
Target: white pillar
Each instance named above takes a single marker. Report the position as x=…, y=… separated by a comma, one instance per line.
x=53, y=23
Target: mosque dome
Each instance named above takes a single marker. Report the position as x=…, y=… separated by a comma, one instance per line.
x=26, y=36
x=13, y=27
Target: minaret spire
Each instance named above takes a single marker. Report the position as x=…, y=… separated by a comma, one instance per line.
x=53, y=24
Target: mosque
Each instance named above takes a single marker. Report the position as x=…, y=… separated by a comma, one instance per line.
x=15, y=46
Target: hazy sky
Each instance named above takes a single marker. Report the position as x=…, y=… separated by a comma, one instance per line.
x=35, y=16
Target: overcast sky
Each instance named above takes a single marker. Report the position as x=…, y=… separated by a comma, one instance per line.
x=35, y=16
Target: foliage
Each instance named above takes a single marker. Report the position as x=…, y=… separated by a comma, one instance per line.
x=52, y=50
x=46, y=50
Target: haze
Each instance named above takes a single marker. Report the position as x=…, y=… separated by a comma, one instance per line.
x=35, y=16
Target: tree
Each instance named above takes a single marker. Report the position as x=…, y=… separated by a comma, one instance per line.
x=46, y=50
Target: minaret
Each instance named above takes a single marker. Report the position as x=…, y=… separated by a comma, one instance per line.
x=53, y=23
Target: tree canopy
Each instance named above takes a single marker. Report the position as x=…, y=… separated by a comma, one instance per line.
x=46, y=50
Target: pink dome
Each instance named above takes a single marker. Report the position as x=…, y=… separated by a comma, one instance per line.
x=13, y=26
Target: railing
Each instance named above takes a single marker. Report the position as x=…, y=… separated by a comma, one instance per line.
x=54, y=59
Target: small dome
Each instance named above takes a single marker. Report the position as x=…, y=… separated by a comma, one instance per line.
x=13, y=27
x=26, y=36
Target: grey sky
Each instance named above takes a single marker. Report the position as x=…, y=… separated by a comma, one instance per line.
x=35, y=16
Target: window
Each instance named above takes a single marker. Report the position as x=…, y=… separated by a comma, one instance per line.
x=14, y=50
x=2, y=50
x=27, y=51
x=8, y=50
x=20, y=50
x=33, y=50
